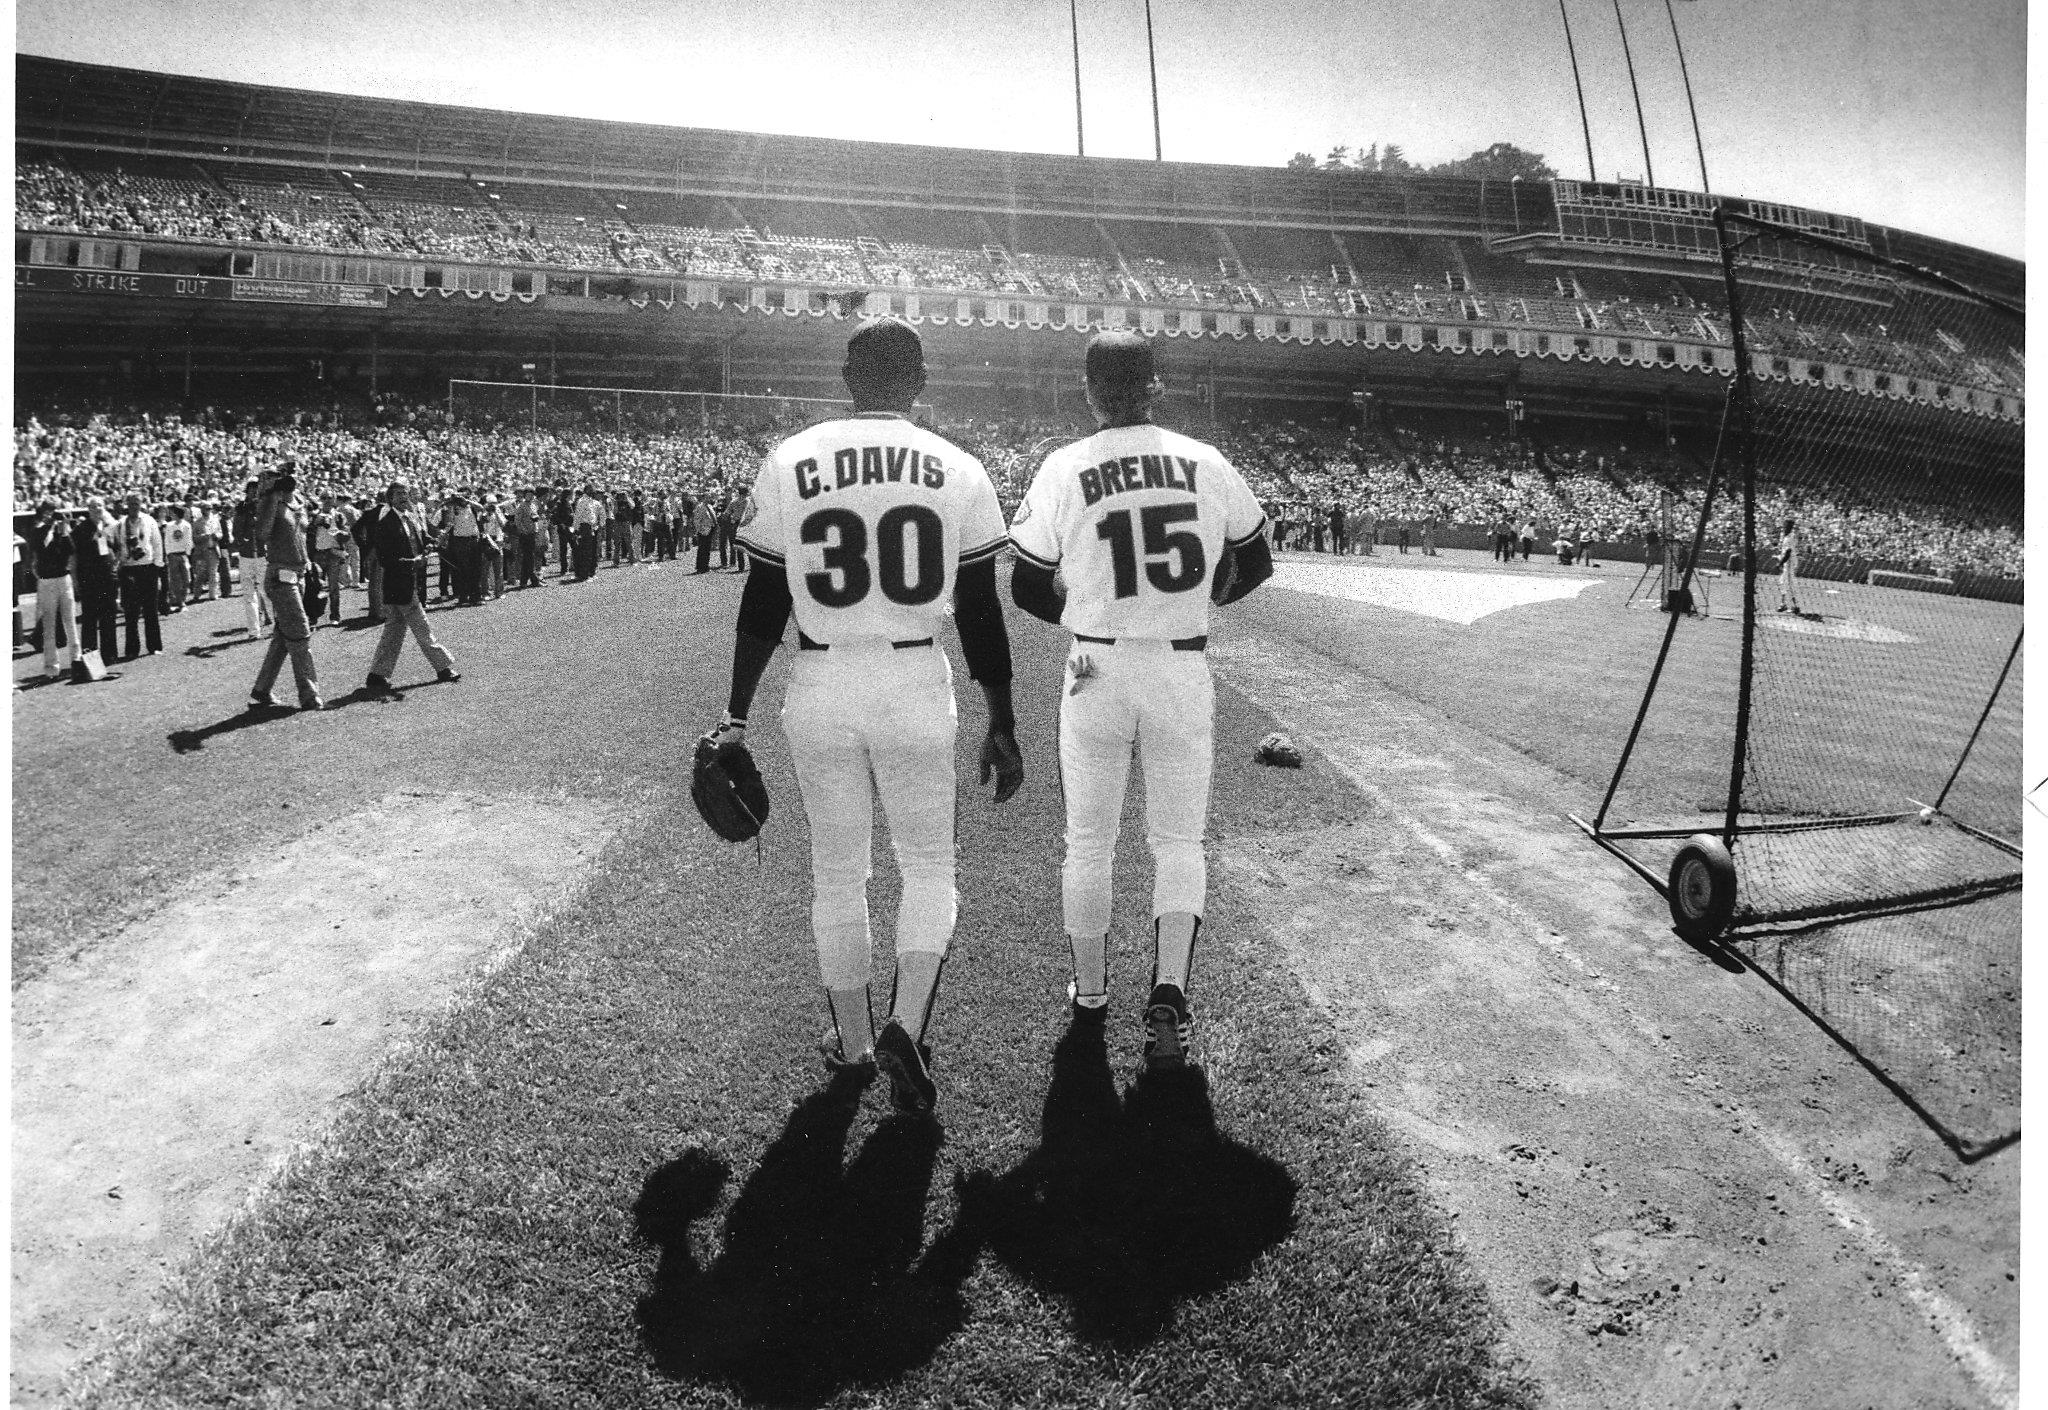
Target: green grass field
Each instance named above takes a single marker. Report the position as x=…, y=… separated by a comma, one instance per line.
x=1843, y=724
x=616, y=1175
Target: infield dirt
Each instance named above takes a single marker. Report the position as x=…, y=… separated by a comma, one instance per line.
x=1678, y=1190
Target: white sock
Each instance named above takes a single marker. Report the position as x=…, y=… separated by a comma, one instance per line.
x=1091, y=969
x=854, y=1020
x=1174, y=953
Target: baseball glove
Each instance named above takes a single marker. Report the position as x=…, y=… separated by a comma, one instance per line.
x=1279, y=751
x=727, y=789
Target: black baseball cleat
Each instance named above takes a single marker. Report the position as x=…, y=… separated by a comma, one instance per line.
x=263, y=700
x=379, y=686
x=1168, y=1027
x=451, y=675
x=836, y=1060
x=1080, y=1014
x=908, y=1065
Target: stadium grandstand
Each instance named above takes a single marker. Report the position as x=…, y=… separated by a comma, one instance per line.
x=1423, y=347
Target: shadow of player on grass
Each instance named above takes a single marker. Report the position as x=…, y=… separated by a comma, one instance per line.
x=191, y=741
x=819, y=1285
x=1129, y=1207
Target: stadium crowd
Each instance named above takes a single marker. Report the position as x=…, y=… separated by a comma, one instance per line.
x=504, y=495
x=351, y=218
x=347, y=216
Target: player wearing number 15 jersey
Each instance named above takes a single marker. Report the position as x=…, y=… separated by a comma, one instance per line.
x=1147, y=527
x=866, y=527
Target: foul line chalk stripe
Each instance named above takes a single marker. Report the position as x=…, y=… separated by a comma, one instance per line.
x=1993, y=1378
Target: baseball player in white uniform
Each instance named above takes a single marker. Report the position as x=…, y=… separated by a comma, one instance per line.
x=1788, y=569
x=1146, y=527
x=866, y=527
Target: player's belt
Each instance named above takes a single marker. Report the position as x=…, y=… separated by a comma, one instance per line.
x=1186, y=643
x=806, y=644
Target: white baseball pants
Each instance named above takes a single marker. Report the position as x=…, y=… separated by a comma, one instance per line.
x=873, y=713
x=255, y=605
x=1163, y=701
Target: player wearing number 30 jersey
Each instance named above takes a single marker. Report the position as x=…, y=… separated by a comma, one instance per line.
x=1147, y=527
x=868, y=527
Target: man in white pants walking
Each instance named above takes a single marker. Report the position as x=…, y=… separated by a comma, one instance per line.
x=866, y=528
x=1147, y=527
x=255, y=571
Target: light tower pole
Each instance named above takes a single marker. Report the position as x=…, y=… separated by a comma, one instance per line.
x=1074, y=19
x=1672, y=15
x=1592, y=172
x=1152, y=62
x=1649, y=176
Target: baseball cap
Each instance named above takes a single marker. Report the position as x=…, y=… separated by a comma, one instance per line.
x=1119, y=359
x=886, y=346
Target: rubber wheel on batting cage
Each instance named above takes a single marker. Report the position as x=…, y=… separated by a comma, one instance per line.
x=1702, y=893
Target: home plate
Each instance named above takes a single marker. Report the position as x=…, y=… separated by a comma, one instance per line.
x=1428, y=592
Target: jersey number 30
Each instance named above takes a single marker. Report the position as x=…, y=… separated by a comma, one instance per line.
x=1190, y=566
x=848, y=578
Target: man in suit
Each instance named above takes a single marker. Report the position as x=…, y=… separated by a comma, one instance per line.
x=704, y=523
x=588, y=519
x=528, y=514
x=93, y=566
x=399, y=534
x=141, y=543
x=366, y=553
x=562, y=518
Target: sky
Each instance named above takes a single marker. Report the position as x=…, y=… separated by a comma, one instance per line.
x=1906, y=112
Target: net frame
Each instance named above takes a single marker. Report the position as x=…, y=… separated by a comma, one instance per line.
x=1738, y=825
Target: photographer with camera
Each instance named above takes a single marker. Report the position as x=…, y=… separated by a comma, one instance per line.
x=141, y=542
x=94, y=565
x=279, y=535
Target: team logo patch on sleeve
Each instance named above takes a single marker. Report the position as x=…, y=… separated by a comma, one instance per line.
x=753, y=508
x=1023, y=513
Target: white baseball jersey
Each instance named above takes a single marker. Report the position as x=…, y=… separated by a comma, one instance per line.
x=1136, y=517
x=871, y=516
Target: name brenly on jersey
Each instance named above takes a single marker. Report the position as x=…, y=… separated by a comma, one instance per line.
x=871, y=465
x=1137, y=472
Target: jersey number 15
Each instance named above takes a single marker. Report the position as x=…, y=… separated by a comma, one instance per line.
x=848, y=577
x=1190, y=565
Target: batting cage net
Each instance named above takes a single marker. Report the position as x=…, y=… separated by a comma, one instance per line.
x=1879, y=729
x=630, y=410
x=1846, y=723
x=1825, y=769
